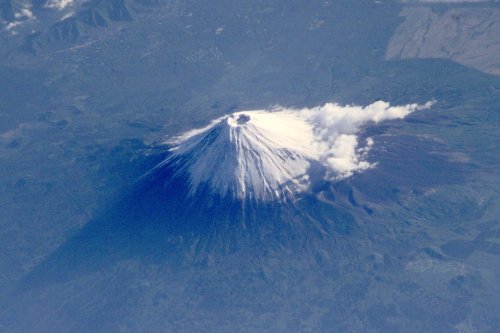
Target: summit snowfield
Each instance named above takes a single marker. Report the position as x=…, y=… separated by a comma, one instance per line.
x=267, y=155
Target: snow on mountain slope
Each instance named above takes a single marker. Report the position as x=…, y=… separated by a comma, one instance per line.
x=266, y=155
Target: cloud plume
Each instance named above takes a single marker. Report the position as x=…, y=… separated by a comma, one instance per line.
x=335, y=129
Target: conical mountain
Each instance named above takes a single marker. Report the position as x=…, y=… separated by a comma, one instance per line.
x=257, y=155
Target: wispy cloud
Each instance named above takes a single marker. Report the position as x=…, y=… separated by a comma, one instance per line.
x=336, y=130
x=59, y=4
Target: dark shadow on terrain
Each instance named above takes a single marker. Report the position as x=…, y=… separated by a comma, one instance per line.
x=127, y=228
x=157, y=222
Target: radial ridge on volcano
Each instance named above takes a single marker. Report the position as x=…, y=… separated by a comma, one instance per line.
x=267, y=155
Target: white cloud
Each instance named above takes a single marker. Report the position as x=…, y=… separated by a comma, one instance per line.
x=12, y=25
x=336, y=127
x=344, y=158
x=24, y=15
x=59, y=4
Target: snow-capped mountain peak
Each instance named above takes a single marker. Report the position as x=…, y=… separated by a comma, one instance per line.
x=255, y=154
x=267, y=155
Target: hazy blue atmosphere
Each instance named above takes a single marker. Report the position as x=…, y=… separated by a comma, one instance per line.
x=334, y=213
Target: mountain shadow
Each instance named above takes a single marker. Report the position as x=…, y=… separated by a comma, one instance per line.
x=157, y=220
